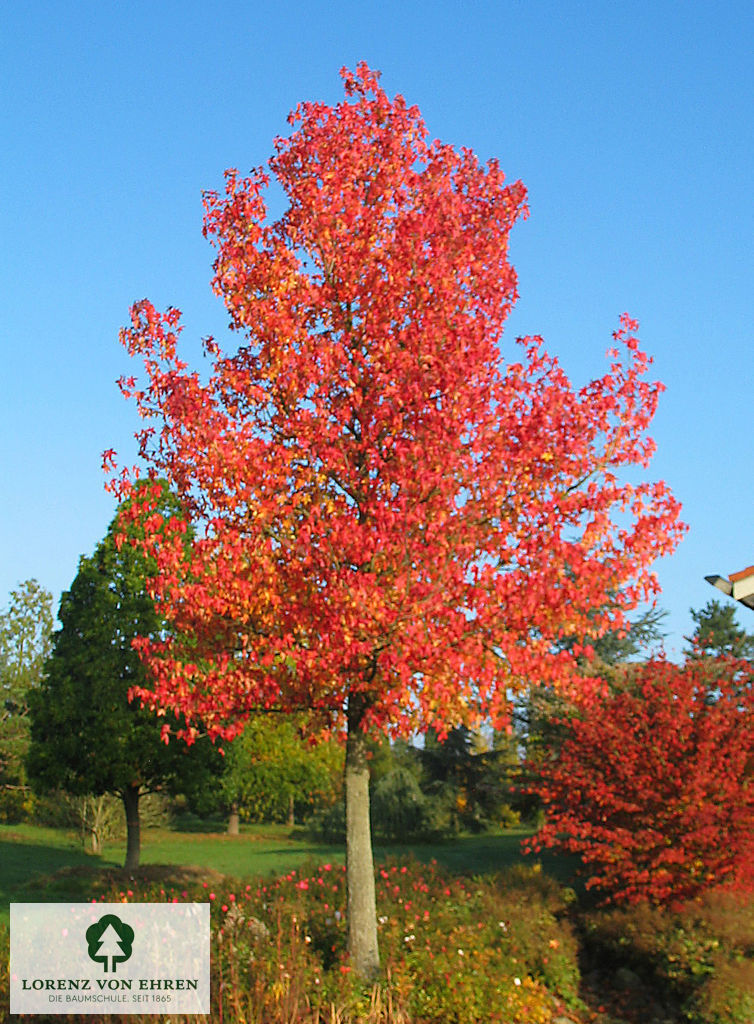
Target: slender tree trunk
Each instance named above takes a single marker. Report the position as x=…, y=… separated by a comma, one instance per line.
x=362, y=905
x=291, y=815
x=98, y=810
x=233, y=826
x=133, y=828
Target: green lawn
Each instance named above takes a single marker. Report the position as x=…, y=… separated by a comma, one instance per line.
x=32, y=858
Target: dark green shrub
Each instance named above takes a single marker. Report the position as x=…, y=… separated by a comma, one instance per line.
x=398, y=806
x=701, y=953
x=329, y=824
x=399, y=812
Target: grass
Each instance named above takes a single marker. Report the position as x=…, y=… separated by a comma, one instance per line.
x=29, y=850
x=491, y=851
x=258, y=850
x=39, y=864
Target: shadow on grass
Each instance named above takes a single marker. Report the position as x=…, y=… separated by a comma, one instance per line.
x=191, y=824
x=24, y=861
x=487, y=853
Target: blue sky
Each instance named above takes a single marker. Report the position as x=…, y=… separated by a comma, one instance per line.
x=630, y=124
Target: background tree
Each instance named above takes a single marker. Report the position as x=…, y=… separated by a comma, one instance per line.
x=652, y=785
x=25, y=638
x=420, y=795
x=542, y=712
x=717, y=633
x=384, y=508
x=86, y=737
x=271, y=772
x=470, y=777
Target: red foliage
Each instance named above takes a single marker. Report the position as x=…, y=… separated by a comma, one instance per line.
x=654, y=786
x=382, y=505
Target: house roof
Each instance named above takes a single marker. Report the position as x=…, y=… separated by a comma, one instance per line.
x=741, y=574
x=739, y=585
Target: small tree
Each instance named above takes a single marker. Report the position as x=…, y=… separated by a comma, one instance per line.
x=393, y=524
x=86, y=737
x=653, y=785
x=718, y=633
x=97, y=819
x=470, y=776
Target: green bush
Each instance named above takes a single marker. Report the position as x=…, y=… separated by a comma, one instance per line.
x=329, y=824
x=491, y=936
x=16, y=804
x=99, y=819
x=702, y=952
x=400, y=810
x=155, y=810
x=727, y=995
x=537, y=907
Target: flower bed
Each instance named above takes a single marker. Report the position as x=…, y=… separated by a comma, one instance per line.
x=453, y=949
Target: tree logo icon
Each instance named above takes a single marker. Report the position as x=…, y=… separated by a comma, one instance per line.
x=110, y=941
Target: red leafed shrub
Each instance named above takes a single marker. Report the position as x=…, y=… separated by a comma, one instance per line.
x=654, y=786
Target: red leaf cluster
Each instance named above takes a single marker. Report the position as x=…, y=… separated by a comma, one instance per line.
x=381, y=502
x=654, y=786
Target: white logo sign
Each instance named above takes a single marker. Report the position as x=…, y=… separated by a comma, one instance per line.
x=109, y=958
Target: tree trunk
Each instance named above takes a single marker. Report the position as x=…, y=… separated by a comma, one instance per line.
x=291, y=815
x=133, y=830
x=362, y=905
x=96, y=809
x=233, y=826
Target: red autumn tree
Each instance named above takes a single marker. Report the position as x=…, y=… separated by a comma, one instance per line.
x=393, y=521
x=654, y=785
